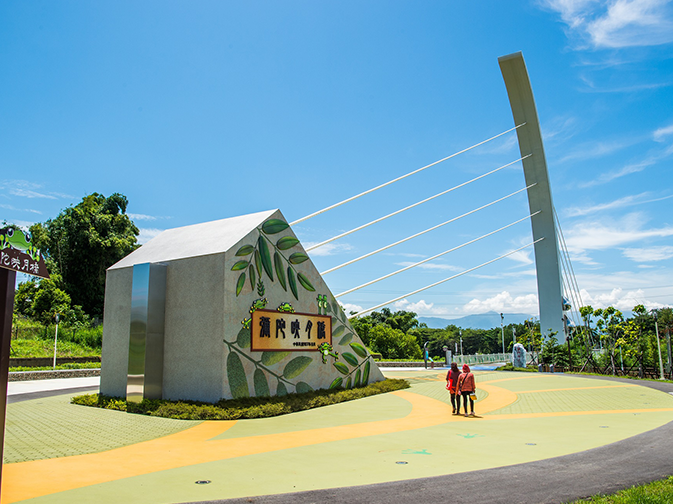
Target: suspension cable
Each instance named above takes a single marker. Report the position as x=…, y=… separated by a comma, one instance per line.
x=435, y=256
x=348, y=200
x=375, y=221
x=572, y=280
x=446, y=279
x=423, y=232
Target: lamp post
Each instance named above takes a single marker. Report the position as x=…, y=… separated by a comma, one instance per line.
x=656, y=330
x=462, y=359
x=55, y=339
x=514, y=335
x=502, y=330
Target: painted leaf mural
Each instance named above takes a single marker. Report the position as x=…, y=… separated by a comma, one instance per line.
x=238, y=382
x=296, y=366
x=261, y=384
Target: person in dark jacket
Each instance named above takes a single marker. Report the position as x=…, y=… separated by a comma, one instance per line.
x=466, y=387
x=451, y=383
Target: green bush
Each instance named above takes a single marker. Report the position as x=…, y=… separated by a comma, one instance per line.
x=234, y=409
x=510, y=367
x=69, y=365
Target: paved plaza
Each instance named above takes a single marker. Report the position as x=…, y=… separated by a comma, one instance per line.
x=396, y=447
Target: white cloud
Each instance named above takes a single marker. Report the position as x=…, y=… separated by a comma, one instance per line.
x=504, y=302
x=596, y=235
x=26, y=189
x=596, y=150
x=661, y=133
x=623, y=301
x=616, y=23
x=430, y=266
x=649, y=254
x=632, y=23
x=422, y=308
x=146, y=234
x=328, y=249
x=10, y=207
x=637, y=199
x=609, y=176
x=522, y=256
x=348, y=307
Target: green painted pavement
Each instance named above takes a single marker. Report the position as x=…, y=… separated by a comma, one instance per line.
x=577, y=421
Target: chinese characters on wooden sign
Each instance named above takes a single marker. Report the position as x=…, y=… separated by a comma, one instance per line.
x=271, y=330
x=18, y=254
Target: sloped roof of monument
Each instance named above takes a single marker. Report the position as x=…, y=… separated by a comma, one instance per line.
x=207, y=238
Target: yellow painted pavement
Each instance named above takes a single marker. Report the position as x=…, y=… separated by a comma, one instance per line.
x=198, y=445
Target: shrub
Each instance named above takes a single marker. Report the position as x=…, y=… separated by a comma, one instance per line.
x=233, y=409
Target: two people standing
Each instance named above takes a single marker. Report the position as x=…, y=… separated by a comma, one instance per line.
x=461, y=384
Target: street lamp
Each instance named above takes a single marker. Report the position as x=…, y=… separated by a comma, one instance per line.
x=55, y=339
x=502, y=330
x=656, y=329
x=462, y=359
x=514, y=334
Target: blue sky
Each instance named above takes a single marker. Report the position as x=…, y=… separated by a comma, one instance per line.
x=198, y=111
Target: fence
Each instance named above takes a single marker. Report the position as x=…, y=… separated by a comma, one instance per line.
x=483, y=358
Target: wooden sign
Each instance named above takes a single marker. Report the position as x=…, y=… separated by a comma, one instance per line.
x=282, y=331
x=17, y=253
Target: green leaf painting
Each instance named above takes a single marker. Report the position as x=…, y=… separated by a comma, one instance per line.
x=298, y=258
x=348, y=383
x=359, y=349
x=238, y=382
x=365, y=373
x=281, y=389
x=261, y=384
x=258, y=263
x=336, y=383
x=293, y=283
x=251, y=274
x=240, y=265
x=286, y=242
x=240, y=283
x=303, y=387
x=305, y=282
x=265, y=256
x=271, y=358
x=273, y=226
x=350, y=358
x=280, y=270
x=245, y=250
x=243, y=338
x=296, y=366
x=336, y=332
x=356, y=380
x=341, y=367
x=346, y=339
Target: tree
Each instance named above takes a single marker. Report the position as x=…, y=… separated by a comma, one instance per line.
x=393, y=343
x=83, y=241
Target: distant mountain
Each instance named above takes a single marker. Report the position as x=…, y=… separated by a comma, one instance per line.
x=483, y=321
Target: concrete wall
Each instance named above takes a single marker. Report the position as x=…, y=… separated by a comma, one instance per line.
x=193, y=348
x=117, y=316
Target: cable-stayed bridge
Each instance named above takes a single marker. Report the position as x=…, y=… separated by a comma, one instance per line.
x=557, y=290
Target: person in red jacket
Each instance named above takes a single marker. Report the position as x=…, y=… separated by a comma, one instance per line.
x=451, y=383
x=466, y=387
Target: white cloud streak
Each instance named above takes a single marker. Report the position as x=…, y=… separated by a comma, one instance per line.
x=650, y=254
x=615, y=24
x=503, y=302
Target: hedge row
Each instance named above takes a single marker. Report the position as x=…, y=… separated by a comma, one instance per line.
x=234, y=409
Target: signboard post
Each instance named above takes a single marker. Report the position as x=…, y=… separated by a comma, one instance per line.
x=16, y=254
